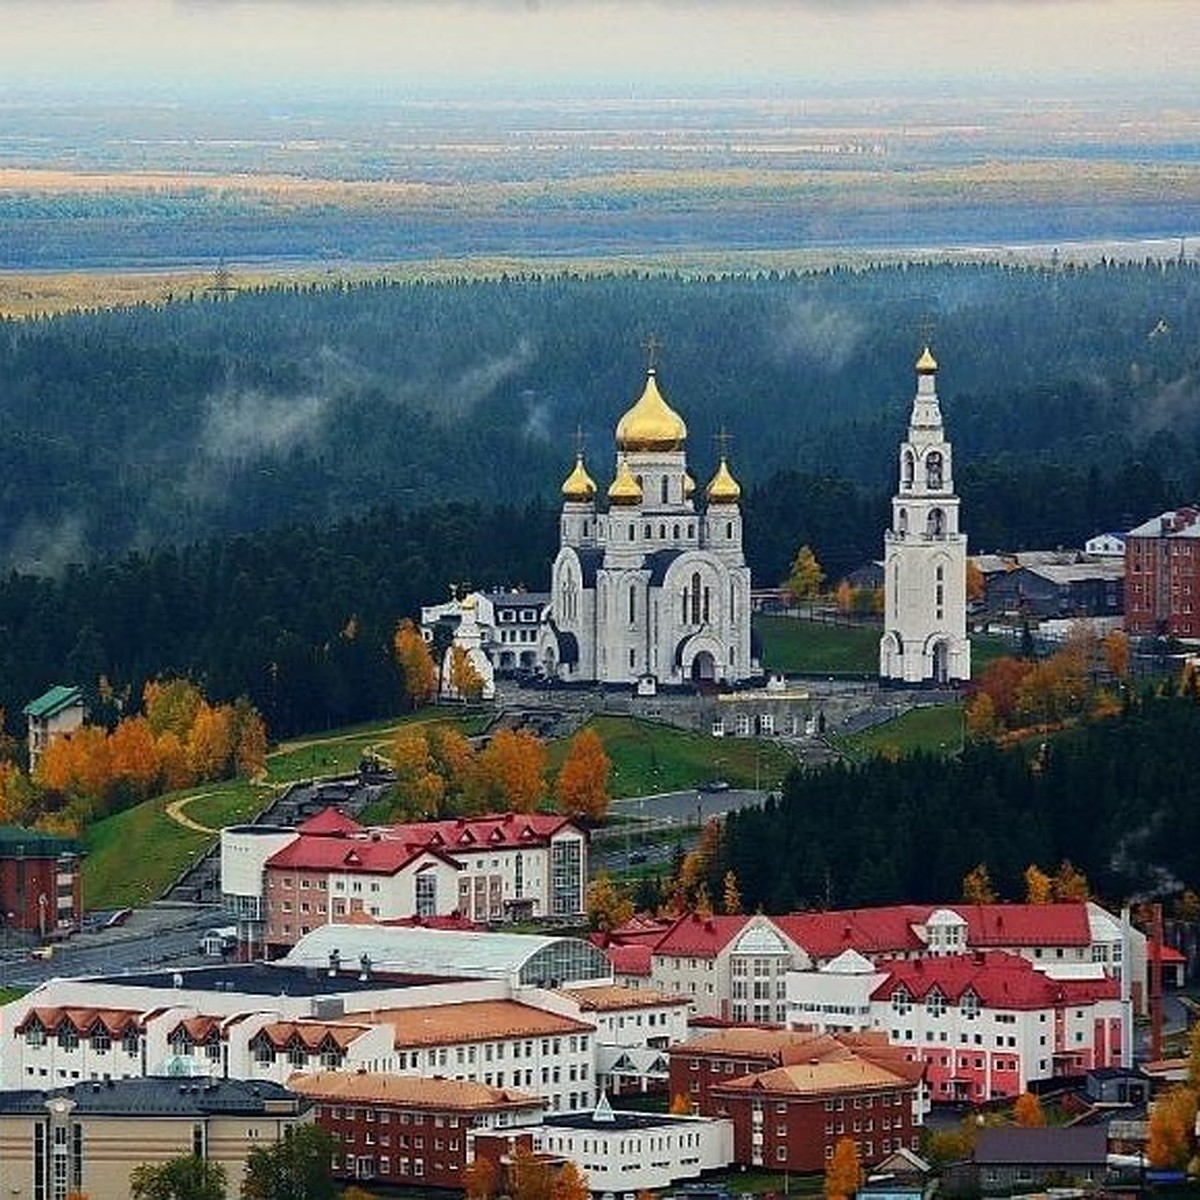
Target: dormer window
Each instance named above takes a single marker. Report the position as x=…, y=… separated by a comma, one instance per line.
x=935, y=1003
x=970, y=1005
x=901, y=1000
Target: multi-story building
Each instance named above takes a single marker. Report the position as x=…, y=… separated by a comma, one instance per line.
x=405, y=1131
x=735, y=967
x=40, y=887
x=508, y=621
x=55, y=713
x=984, y=1025
x=87, y=1139
x=487, y=869
x=792, y=1095
x=1162, y=576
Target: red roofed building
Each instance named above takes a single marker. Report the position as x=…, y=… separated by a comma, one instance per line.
x=983, y=1025
x=793, y=1095
x=730, y=967
x=484, y=869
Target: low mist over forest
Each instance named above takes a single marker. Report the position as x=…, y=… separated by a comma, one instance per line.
x=227, y=413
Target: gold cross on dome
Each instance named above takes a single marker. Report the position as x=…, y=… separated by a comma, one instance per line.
x=652, y=345
x=926, y=327
x=579, y=440
x=723, y=437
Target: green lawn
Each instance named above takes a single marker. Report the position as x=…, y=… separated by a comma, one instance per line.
x=134, y=855
x=812, y=648
x=649, y=758
x=938, y=730
x=9, y=994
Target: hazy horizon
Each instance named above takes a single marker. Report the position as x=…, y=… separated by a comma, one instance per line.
x=163, y=50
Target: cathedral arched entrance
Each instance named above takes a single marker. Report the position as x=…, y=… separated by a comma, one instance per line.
x=941, y=662
x=704, y=668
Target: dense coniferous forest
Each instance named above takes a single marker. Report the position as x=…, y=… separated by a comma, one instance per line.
x=222, y=414
x=1120, y=798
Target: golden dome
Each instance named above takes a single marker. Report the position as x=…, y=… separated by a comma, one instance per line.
x=689, y=485
x=625, y=489
x=651, y=424
x=926, y=364
x=723, y=488
x=579, y=485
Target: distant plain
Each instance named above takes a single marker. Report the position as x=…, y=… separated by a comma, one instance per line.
x=110, y=205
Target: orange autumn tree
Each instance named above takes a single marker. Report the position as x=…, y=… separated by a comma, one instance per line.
x=843, y=1175
x=569, y=1184
x=608, y=907
x=416, y=664
x=581, y=788
x=1027, y=1111
x=481, y=1180
x=511, y=772
x=1172, y=1125
x=977, y=886
x=1039, y=887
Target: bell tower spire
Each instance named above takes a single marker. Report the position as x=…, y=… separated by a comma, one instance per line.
x=925, y=554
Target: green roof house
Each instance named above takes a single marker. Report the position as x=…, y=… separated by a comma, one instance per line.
x=59, y=711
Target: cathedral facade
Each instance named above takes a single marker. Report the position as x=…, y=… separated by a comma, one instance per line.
x=925, y=555
x=649, y=589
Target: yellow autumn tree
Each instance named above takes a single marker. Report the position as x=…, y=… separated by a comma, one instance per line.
x=529, y=1177
x=249, y=735
x=1172, y=1125
x=981, y=719
x=210, y=742
x=171, y=704
x=843, y=1175
x=581, y=787
x=416, y=663
x=608, y=907
x=806, y=576
x=1039, y=887
x=977, y=886
x=1116, y=653
x=173, y=761
x=466, y=683
x=1070, y=883
x=681, y=1106
x=976, y=583
x=731, y=899
x=133, y=754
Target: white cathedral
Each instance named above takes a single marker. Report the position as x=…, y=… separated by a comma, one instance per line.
x=650, y=590
x=925, y=555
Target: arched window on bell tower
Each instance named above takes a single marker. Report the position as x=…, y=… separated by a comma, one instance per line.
x=933, y=471
x=936, y=524
x=902, y=522
x=910, y=467
x=696, y=598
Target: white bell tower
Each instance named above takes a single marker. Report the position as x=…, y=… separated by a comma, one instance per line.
x=925, y=555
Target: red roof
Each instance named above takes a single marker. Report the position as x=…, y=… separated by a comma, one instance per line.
x=1000, y=980
x=329, y=822
x=494, y=831
x=891, y=929
x=870, y=931
x=699, y=937
x=369, y=855
x=1169, y=954
x=629, y=960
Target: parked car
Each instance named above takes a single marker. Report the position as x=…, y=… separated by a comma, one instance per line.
x=715, y=785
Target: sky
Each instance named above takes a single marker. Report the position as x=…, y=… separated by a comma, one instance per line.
x=623, y=47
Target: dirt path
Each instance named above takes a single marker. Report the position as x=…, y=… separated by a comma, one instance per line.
x=174, y=810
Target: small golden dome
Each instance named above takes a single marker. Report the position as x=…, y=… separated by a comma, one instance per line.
x=624, y=489
x=468, y=603
x=579, y=485
x=651, y=424
x=926, y=364
x=689, y=485
x=723, y=488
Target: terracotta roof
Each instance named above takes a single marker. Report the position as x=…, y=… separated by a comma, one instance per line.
x=198, y=1029
x=1169, y=954
x=630, y=960
x=312, y=1034
x=747, y=1041
x=695, y=936
x=850, y=1073
x=474, y=1021
x=613, y=997
x=114, y=1020
x=329, y=822
x=409, y=1091
x=641, y=928
x=999, y=979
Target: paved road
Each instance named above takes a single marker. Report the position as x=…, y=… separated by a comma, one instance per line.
x=691, y=807
x=151, y=937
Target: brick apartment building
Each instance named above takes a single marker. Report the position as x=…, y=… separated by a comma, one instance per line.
x=792, y=1096
x=1162, y=576
x=406, y=1131
x=40, y=889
